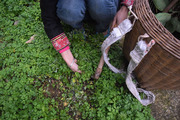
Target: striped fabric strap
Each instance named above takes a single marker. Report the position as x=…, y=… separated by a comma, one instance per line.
x=127, y=2
x=60, y=41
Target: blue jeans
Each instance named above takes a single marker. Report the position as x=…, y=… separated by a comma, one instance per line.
x=72, y=12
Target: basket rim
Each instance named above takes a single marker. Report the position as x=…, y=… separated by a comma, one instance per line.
x=155, y=29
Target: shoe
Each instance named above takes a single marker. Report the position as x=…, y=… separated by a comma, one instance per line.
x=108, y=33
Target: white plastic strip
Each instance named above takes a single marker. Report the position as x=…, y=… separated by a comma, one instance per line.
x=137, y=55
x=117, y=33
x=140, y=50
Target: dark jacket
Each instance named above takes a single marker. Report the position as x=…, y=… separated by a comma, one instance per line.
x=51, y=22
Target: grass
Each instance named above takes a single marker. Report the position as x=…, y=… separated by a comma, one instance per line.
x=35, y=82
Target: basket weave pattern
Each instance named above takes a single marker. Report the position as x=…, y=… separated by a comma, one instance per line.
x=160, y=69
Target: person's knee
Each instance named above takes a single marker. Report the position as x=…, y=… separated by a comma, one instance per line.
x=70, y=16
x=101, y=10
x=71, y=13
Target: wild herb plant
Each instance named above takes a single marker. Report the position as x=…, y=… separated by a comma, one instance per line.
x=35, y=82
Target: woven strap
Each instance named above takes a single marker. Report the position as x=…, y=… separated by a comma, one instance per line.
x=137, y=54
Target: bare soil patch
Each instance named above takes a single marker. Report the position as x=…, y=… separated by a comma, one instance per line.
x=167, y=105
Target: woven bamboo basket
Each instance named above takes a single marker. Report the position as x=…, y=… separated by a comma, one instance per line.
x=160, y=68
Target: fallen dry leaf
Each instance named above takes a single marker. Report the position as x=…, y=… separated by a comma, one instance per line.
x=16, y=22
x=31, y=39
x=65, y=104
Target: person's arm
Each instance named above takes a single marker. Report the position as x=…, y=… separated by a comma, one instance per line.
x=52, y=24
x=122, y=13
x=55, y=32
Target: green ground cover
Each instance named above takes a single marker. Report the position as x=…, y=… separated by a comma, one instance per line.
x=35, y=82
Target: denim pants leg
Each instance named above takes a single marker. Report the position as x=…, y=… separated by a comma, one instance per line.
x=103, y=12
x=71, y=12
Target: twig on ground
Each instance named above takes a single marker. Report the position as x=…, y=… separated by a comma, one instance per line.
x=31, y=39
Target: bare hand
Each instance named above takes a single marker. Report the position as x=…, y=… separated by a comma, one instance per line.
x=120, y=16
x=70, y=61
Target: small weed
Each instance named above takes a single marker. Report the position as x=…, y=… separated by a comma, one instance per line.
x=35, y=82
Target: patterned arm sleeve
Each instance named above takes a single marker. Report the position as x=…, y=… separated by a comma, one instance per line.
x=52, y=25
x=127, y=2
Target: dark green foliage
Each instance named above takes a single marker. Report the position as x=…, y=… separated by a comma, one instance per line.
x=170, y=20
x=35, y=82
